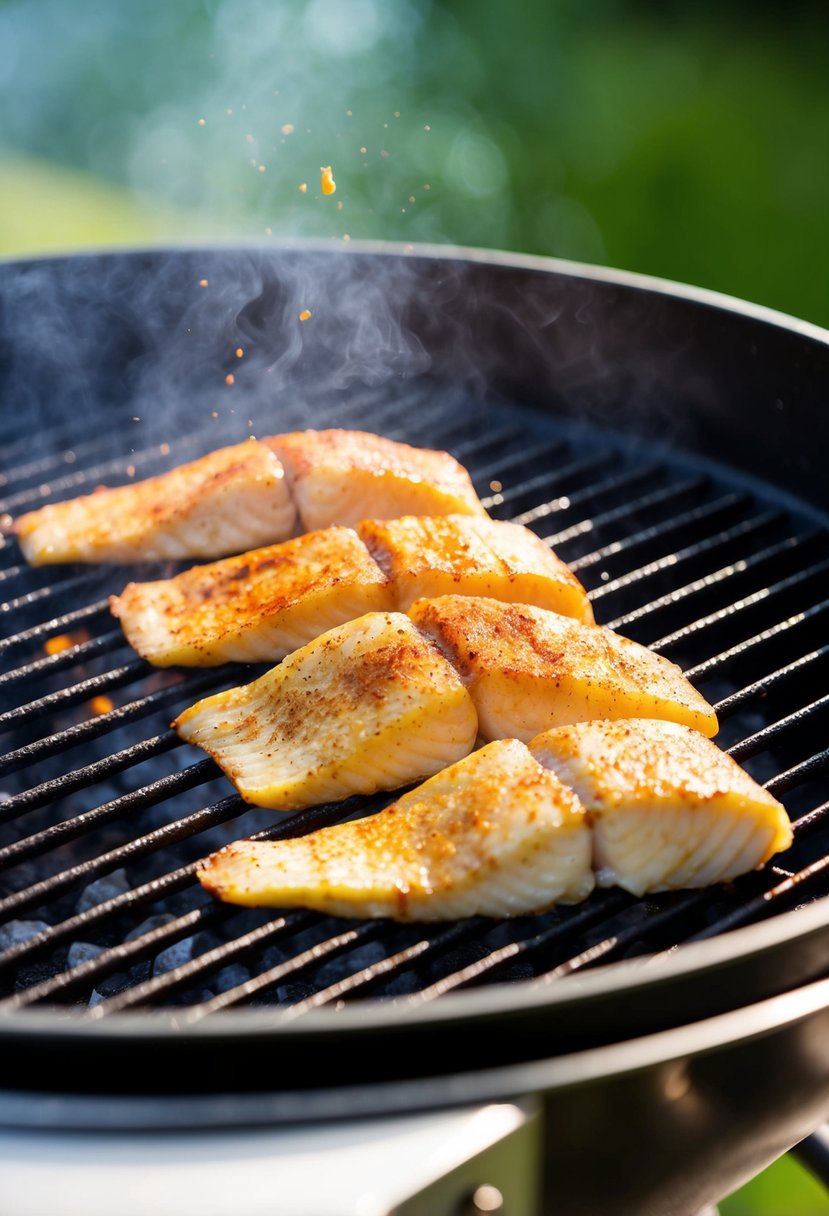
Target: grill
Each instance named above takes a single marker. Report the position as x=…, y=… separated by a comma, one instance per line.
x=607, y=415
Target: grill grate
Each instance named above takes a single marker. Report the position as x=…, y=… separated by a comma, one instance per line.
x=106, y=813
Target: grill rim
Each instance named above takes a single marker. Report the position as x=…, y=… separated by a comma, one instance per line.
x=749, y=944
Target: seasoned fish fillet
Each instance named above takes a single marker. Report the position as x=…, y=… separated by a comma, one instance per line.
x=339, y=476
x=256, y=607
x=495, y=835
x=233, y=499
x=367, y=706
x=263, y=604
x=669, y=809
x=472, y=555
x=528, y=669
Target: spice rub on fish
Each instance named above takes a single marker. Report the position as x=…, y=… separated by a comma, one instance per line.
x=232, y=499
x=430, y=555
x=528, y=669
x=668, y=808
x=339, y=476
x=370, y=705
x=241, y=497
x=256, y=607
x=270, y=601
x=337, y=711
x=512, y=829
x=495, y=834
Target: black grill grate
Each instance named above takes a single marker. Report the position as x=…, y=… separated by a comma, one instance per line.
x=106, y=813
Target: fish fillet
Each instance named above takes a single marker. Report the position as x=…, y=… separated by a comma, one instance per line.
x=496, y=835
x=669, y=809
x=256, y=607
x=233, y=499
x=367, y=706
x=339, y=476
x=528, y=669
x=472, y=555
x=263, y=604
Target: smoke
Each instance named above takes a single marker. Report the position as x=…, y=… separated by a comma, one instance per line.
x=221, y=114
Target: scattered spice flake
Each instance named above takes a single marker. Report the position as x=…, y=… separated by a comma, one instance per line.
x=303, y=187
x=230, y=378
x=130, y=470
x=346, y=236
x=396, y=113
x=203, y=282
x=412, y=198
x=287, y=128
x=164, y=449
x=238, y=352
x=496, y=487
x=201, y=122
x=363, y=151
x=305, y=315
x=101, y=705
x=327, y=182
x=349, y=113
x=261, y=168
x=426, y=127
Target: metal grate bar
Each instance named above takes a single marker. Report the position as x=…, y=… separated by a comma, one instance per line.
x=575, y=469
x=114, y=719
x=269, y=978
x=764, y=685
x=643, y=506
x=710, y=545
x=72, y=655
x=770, y=733
x=732, y=570
x=68, y=783
x=211, y=960
x=56, y=625
x=708, y=666
x=66, y=698
x=139, y=846
x=577, y=498
x=747, y=602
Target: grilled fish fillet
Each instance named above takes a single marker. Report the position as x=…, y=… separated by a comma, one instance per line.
x=339, y=476
x=256, y=607
x=528, y=669
x=233, y=499
x=268, y=602
x=241, y=497
x=496, y=835
x=472, y=555
x=669, y=809
x=367, y=706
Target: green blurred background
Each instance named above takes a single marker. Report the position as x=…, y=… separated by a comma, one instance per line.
x=685, y=140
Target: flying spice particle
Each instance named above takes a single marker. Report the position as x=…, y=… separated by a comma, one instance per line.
x=238, y=352
x=287, y=128
x=303, y=187
x=327, y=183
x=202, y=282
x=201, y=122
x=261, y=168
x=101, y=705
x=230, y=378
x=305, y=315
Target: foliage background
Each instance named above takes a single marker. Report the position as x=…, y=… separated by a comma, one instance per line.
x=686, y=140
